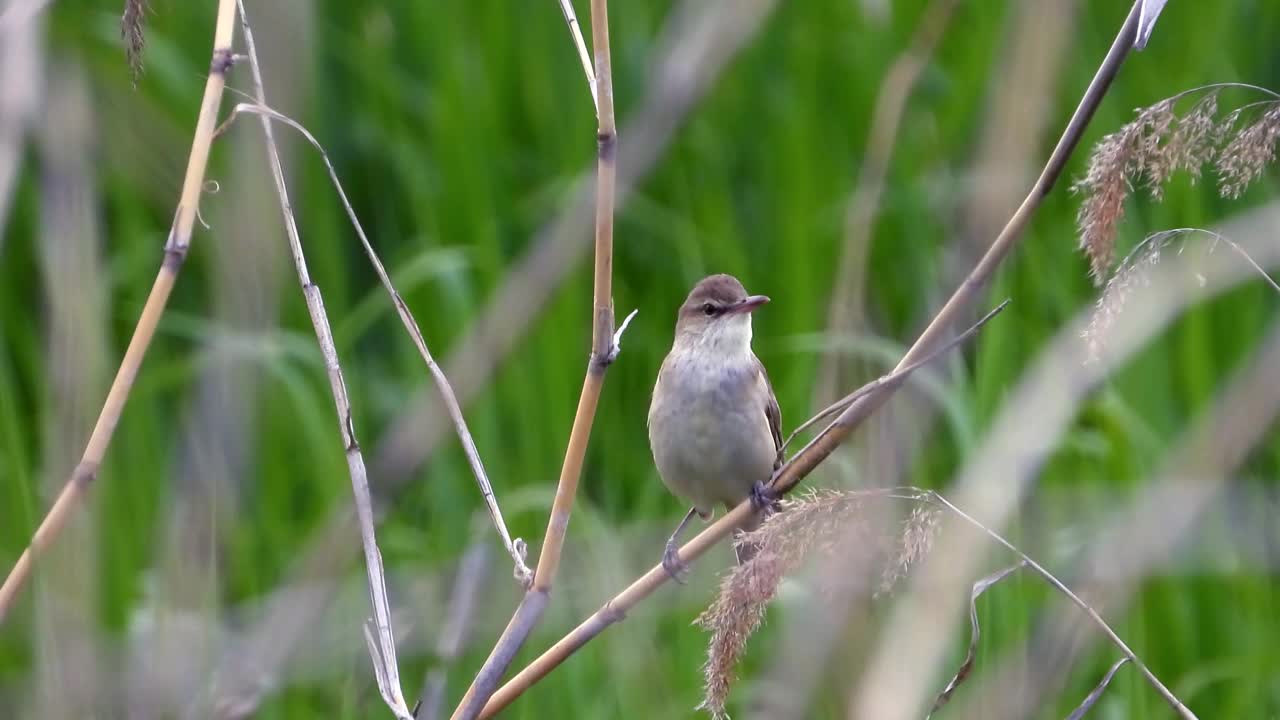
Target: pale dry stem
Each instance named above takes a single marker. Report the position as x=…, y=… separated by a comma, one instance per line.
x=381, y=640
x=844, y=310
x=515, y=548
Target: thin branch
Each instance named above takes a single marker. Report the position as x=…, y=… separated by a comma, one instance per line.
x=515, y=548
x=616, y=609
x=382, y=650
x=796, y=469
x=566, y=8
x=975, y=631
x=175, y=253
x=895, y=377
x=604, y=349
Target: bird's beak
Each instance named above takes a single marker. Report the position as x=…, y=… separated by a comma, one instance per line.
x=749, y=304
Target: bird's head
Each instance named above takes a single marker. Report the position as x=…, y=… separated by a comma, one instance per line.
x=717, y=315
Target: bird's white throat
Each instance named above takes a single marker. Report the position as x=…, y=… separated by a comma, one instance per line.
x=727, y=338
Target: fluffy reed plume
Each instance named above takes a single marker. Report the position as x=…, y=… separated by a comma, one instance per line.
x=1117, y=160
x=1249, y=152
x=832, y=528
x=1160, y=142
x=131, y=31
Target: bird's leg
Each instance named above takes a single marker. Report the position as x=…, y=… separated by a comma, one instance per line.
x=764, y=500
x=671, y=561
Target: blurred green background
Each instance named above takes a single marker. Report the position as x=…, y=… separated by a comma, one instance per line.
x=458, y=130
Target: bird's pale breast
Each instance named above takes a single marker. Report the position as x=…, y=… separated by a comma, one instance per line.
x=708, y=428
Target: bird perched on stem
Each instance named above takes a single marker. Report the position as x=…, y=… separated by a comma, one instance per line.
x=714, y=423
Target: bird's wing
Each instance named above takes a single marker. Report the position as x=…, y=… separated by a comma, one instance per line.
x=772, y=412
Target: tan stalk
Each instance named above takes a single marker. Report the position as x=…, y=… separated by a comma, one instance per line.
x=803, y=463
x=604, y=348
x=175, y=252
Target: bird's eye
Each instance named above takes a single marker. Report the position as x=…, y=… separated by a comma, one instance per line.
x=708, y=309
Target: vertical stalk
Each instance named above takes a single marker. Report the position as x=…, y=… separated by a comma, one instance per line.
x=603, y=352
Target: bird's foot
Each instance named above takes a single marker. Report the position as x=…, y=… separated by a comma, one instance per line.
x=764, y=500
x=671, y=562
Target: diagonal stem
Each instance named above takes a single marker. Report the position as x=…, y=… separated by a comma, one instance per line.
x=175, y=253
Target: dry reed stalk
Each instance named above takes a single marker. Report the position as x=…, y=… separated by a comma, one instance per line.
x=515, y=548
x=21, y=67
x=18, y=12
x=383, y=649
x=604, y=349
x=64, y=623
x=175, y=253
x=799, y=466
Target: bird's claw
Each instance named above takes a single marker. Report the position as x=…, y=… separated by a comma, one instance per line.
x=764, y=500
x=671, y=562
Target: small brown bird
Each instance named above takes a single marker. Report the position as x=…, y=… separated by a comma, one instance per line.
x=714, y=423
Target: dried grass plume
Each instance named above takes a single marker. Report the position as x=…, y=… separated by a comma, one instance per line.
x=1159, y=143
x=835, y=528
x=132, y=32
